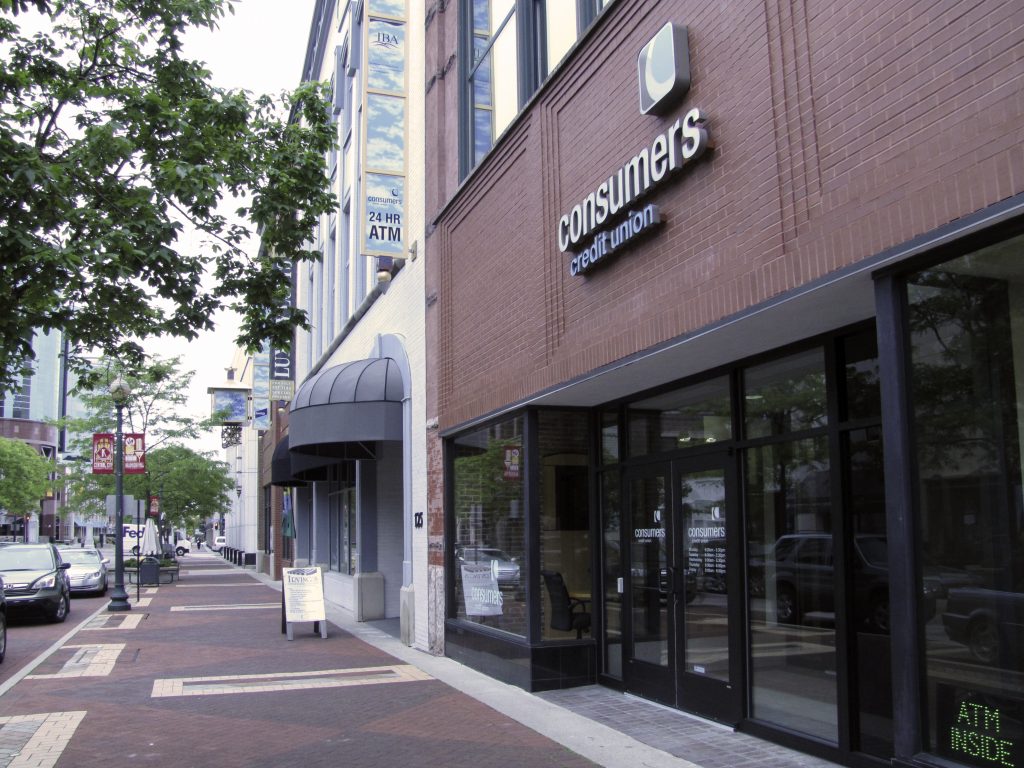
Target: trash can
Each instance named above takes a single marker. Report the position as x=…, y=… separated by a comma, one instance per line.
x=149, y=572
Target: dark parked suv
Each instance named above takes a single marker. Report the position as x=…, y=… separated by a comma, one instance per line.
x=35, y=579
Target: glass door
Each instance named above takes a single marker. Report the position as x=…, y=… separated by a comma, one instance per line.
x=683, y=615
x=649, y=632
x=706, y=610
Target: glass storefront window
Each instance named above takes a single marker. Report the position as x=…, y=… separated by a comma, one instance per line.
x=966, y=324
x=341, y=498
x=609, y=437
x=684, y=418
x=791, y=587
x=786, y=395
x=611, y=524
x=489, y=547
x=563, y=492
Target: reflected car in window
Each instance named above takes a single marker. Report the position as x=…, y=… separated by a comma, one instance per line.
x=505, y=567
x=802, y=567
x=989, y=622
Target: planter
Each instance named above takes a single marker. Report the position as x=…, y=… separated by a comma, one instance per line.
x=166, y=575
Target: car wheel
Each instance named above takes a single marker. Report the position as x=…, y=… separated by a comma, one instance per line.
x=180, y=551
x=60, y=612
x=785, y=605
x=3, y=635
x=983, y=640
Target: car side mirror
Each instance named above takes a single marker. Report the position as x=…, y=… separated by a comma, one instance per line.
x=105, y=561
x=65, y=566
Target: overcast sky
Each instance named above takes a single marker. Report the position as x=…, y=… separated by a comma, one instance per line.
x=260, y=48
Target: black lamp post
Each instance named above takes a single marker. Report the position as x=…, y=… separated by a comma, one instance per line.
x=120, y=392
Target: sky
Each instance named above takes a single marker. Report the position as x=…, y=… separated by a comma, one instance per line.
x=260, y=48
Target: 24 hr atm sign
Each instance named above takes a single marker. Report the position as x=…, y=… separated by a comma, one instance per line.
x=384, y=128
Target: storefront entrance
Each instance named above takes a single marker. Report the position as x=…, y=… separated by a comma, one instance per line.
x=681, y=598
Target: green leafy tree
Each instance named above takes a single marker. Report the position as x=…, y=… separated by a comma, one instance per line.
x=192, y=486
x=24, y=477
x=112, y=142
x=156, y=408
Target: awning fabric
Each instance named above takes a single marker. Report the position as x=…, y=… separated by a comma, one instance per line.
x=343, y=410
x=281, y=467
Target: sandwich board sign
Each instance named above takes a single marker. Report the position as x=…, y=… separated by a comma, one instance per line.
x=303, y=597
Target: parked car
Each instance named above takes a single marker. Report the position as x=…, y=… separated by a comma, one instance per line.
x=182, y=547
x=990, y=622
x=35, y=578
x=3, y=622
x=219, y=542
x=505, y=567
x=88, y=571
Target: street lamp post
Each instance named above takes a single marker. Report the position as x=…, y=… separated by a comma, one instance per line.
x=120, y=392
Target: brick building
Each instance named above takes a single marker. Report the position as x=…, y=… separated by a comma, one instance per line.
x=690, y=266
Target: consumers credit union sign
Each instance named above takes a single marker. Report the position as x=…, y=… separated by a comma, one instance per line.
x=610, y=216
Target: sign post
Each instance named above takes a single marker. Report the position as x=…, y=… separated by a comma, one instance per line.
x=303, y=597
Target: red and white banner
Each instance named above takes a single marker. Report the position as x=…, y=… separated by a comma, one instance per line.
x=134, y=454
x=103, y=453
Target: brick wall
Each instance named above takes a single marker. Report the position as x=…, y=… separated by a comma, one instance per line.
x=840, y=130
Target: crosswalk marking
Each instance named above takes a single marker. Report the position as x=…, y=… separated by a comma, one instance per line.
x=287, y=681
x=226, y=607
x=113, y=621
x=95, y=660
x=36, y=741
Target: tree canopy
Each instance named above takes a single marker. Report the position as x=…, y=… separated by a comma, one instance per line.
x=196, y=483
x=24, y=477
x=112, y=143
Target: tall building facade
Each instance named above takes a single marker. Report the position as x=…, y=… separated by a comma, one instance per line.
x=26, y=414
x=351, y=464
x=724, y=322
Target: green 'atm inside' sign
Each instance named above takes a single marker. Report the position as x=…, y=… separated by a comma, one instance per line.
x=979, y=729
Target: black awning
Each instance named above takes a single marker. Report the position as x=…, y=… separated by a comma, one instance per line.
x=281, y=467
x=344, y=410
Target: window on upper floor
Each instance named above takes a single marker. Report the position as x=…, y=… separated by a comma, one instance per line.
x=23, y=399
x=510, y=48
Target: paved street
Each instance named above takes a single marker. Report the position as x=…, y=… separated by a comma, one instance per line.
x=199, y=674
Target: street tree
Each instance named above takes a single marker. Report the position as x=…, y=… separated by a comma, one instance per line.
x=156, y=408
x=24, y=477
x=191, y=486
x=113, y=144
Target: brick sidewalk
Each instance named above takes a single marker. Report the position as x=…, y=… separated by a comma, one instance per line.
x=199, y=674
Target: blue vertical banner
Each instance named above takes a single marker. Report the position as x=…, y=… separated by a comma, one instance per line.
x=261, y=389
x=382, y=190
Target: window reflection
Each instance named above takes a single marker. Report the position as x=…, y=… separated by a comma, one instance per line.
x=490, y=587
x=966, y=321
x=786, y=395
x=685, y=418
x=563, y=438
x=791, y=586
x=494, y=79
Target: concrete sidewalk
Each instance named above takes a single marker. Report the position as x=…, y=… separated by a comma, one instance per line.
x=199, y=673
x=610, y=728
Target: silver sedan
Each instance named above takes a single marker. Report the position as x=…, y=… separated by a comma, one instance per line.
x=88, y=571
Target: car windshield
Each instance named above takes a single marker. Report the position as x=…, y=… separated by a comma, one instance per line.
x=16, y=558
x=86, y=556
